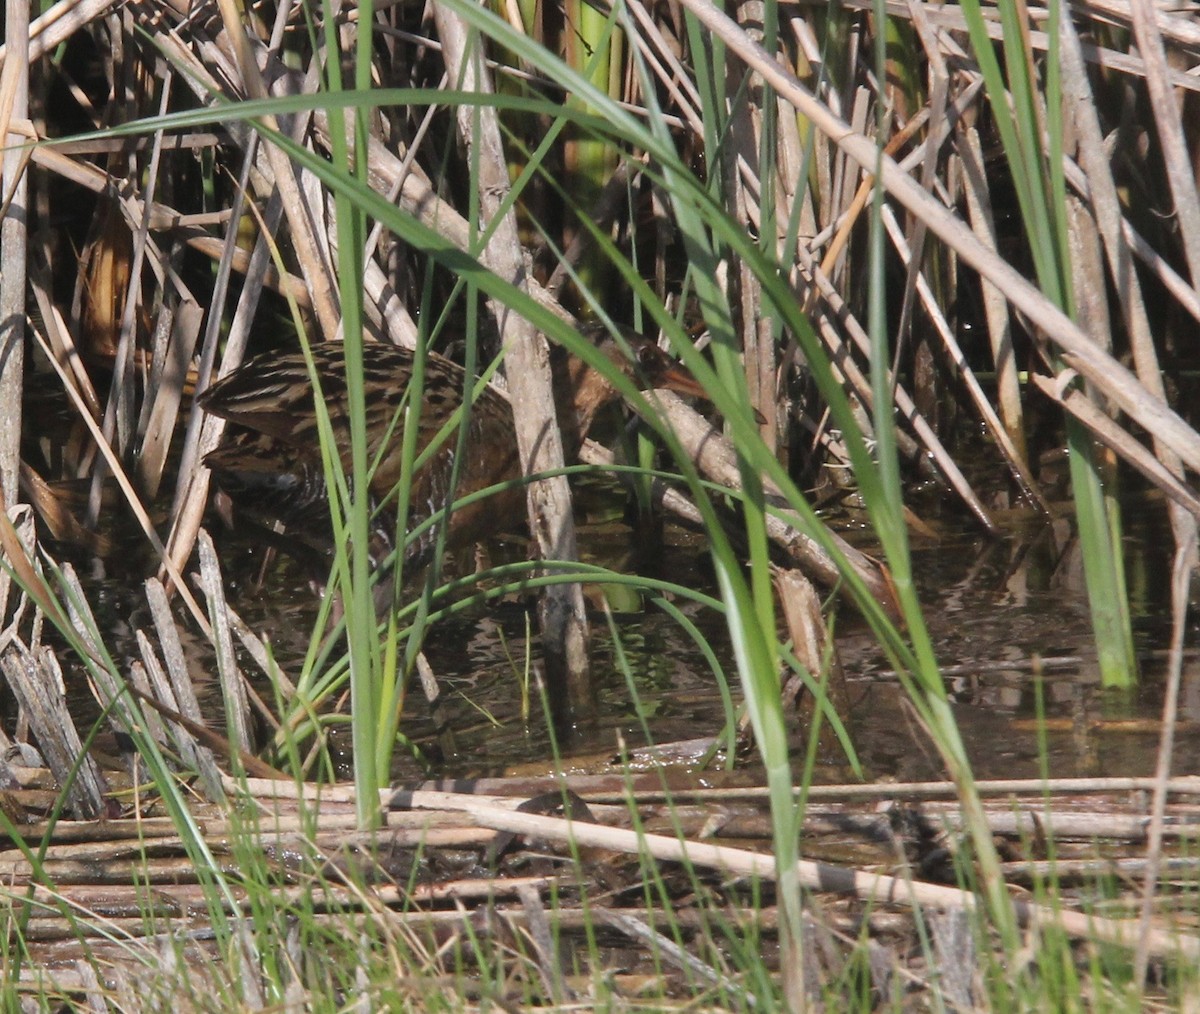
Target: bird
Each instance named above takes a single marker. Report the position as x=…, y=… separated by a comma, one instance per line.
x=270, y=463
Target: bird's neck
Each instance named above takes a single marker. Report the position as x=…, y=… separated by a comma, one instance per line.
x=579, y=393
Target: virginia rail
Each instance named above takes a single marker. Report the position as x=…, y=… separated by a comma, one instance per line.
x=270, y=460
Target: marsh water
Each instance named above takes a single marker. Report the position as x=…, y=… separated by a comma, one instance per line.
x=1009, y=621
x=1008, y=618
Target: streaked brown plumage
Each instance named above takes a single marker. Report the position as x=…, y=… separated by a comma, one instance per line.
x=270, y=460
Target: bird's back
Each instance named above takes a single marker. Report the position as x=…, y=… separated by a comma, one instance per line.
x=272, y=454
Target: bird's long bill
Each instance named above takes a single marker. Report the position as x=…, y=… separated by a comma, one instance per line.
x=679, y=379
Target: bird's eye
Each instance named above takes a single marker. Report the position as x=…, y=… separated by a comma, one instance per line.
x=647, y=355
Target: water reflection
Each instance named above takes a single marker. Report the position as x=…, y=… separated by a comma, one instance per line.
x=994, y=609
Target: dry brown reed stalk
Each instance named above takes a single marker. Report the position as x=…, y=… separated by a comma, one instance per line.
x=815, y=876
x=561, y=612
x=14, y=221
x=311, y=251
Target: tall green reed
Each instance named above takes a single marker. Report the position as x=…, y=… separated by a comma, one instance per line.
x=1028, y=114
